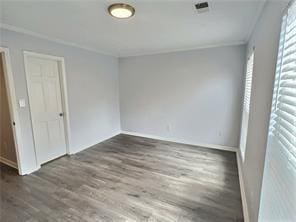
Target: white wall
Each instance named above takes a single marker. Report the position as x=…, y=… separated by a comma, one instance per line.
x=265, y=40
x=192, y=97
x=92, y=90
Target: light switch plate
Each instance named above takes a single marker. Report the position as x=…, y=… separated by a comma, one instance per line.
x=22, y=103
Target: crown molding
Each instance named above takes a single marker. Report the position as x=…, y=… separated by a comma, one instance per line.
x=156, y=52
x=120, y=55
x=56, y=40
x=253, y=24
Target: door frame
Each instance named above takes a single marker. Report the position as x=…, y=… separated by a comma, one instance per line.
x=64, y=94
x=13, y=108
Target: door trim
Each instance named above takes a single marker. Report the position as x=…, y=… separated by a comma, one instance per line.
x=13, y=107
x=64, y=94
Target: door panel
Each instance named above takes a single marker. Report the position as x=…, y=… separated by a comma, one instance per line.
x=46, y=105
x=7, y=144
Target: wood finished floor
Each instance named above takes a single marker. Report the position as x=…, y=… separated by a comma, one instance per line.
x=127, y=178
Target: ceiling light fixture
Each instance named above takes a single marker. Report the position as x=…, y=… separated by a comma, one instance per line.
x=121, y=10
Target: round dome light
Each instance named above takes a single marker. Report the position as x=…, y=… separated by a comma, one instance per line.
x=120, y=10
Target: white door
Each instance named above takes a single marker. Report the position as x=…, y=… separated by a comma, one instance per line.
x=44, y=90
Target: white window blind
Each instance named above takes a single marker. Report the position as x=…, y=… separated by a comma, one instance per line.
x=248, y=83
x=283, y=115
x=278, y=196
x=246, y=105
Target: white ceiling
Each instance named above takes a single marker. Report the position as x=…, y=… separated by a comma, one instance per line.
x=158, y=25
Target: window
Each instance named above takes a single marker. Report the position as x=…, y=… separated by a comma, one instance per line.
x=248, y=83
x=278, y=196
x=283, y=114
x=246, y=105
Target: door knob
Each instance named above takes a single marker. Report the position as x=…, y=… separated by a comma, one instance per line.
x=61, y=114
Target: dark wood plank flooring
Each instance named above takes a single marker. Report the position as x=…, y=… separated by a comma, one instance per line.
x=127, y=179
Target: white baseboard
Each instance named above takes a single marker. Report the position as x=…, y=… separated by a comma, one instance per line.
x=93, y=144
x=8, y=162
x=29, y=171
x=242, y=188
x=211, y=146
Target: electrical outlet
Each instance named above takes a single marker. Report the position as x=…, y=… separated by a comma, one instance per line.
x=22, y=103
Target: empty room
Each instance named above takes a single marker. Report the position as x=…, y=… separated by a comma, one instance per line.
x=148, y=110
